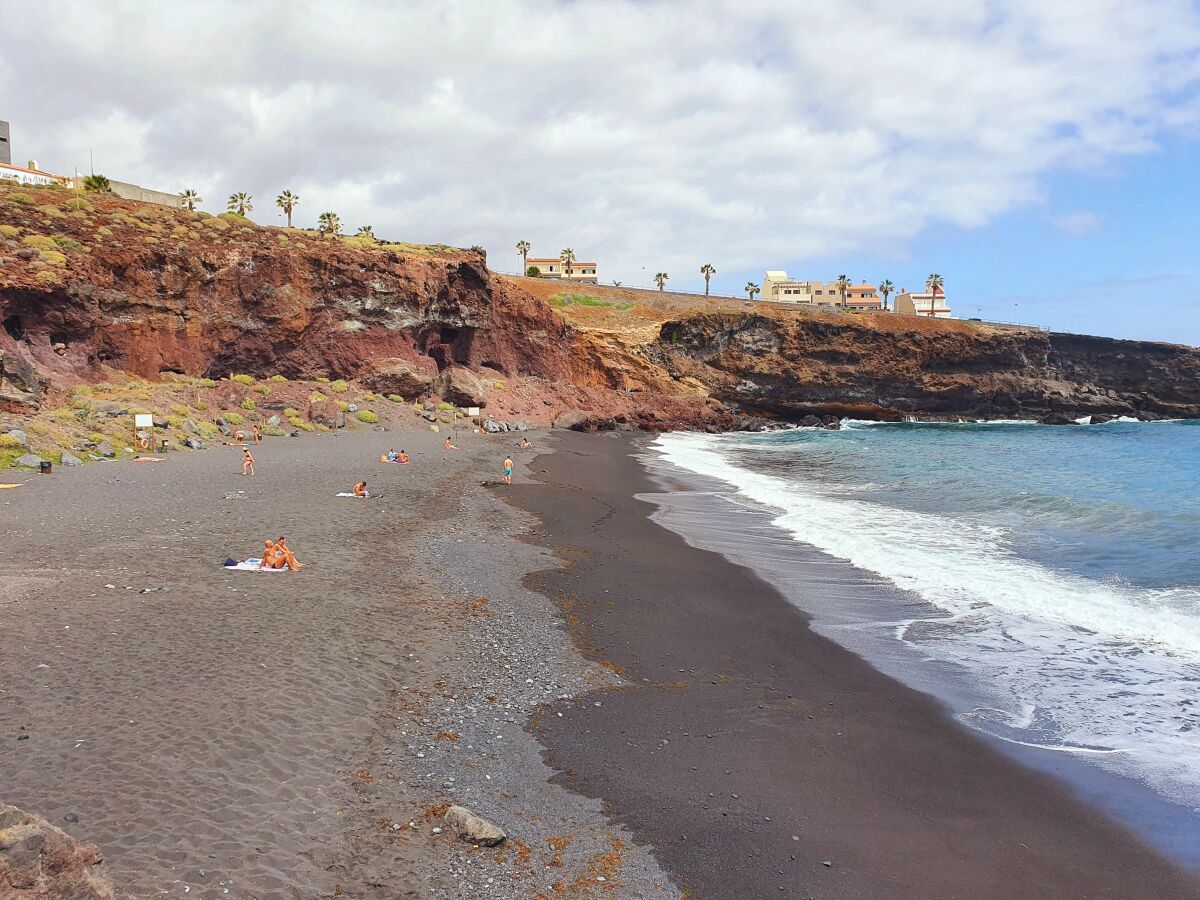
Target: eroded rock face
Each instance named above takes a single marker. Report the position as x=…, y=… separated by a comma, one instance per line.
x=20, y=384
x=880, y=367
x=38, y=860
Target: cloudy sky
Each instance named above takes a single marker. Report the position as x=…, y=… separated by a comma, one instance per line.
x=1040, y=156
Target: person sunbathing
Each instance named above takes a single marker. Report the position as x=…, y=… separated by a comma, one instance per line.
x=449, y=445
x=360, y=490
x=271, y=558
x=288, y=557
x=525, y=445
x=393, y=456
x=403, y=457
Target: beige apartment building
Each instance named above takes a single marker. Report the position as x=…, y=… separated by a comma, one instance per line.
x=909, y=303
x=582, y=272
x=777, y=287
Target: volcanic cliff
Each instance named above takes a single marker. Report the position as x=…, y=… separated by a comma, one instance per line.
x=93, y=284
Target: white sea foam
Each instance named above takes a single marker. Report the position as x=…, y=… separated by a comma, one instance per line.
x=1107, y=667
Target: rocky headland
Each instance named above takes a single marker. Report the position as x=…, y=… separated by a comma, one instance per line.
x=94, y=289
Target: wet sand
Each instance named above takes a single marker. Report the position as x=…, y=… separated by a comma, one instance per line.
x=760, y=759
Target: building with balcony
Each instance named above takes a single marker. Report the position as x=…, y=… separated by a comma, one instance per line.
x=777, y=287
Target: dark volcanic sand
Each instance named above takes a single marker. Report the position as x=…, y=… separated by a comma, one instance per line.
x=750, y=750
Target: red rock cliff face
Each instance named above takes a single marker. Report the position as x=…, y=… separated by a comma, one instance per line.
x=877, y=369
x=86, y=284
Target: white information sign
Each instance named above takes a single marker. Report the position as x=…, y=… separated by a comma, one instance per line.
x=472, y=410
x=143, y=420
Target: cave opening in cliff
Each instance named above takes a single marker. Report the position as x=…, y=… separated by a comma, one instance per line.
x=15, y=328
x=59, y=337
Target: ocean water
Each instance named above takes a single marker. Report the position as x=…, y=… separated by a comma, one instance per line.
x=1045, y=579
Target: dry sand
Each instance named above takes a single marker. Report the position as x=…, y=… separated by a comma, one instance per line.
x=235, y=734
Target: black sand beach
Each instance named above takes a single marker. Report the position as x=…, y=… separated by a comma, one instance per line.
x=226, y=734
x=760, y=759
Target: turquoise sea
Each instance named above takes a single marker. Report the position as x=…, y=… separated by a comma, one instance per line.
x=1045, y=580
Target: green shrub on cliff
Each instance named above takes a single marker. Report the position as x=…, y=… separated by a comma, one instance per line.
x=39, y=242
x=18, y=197
x=249, y=404
x=104, y=231
x=365, y=415
x=234, y=418
x=53, y=257
x=343, y=405
x=9, y=230
x=9, y=440
x=317, y=397
x=273, y=431
x=215, y=223
x=290, y=413
x=277, y=378
x=69, y=243
x=339, y=386
x=395, y=398
x=242, y=379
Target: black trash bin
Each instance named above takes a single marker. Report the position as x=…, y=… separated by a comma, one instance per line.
x=45, y=467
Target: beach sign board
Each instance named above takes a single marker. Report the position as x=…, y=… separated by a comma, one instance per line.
x=143, y=420
x=472, y=410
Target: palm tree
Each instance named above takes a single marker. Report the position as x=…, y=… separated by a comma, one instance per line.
x=365, y=231
x=616, y=283
x=885, y=289
x=523, y=247
x=97, y=184
x=287, y=201
x=842, y=283
x=708, y=271
x=330, y=223
x=661, y=279
x=240, y=203
x=751, y=289
x=190, y=198
x=567, y=256
x=933, y=284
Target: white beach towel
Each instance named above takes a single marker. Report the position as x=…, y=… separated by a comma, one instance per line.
x=347, y=495
x=252, y=565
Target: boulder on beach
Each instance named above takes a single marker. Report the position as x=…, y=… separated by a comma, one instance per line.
x=69, y=459
x=461, y=387
x=39, y=860
x=29, y=461
x=572, y=418
x=472, y=828
x=399, y=376
x=106, y=450
x=18, y=435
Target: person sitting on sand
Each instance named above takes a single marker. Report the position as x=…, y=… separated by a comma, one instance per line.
x=449, y=445
x=247, y=462
x=257, y=434
x=360, y=490
x=393, y=456
x=525, y=445
x=271, y=558
x=402, y=458
x=508, y=467
x=288, y=557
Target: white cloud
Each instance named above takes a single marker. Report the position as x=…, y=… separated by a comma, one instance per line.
x=656, y=134
x=1079, y=223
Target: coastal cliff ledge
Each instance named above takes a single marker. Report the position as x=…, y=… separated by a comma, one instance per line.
x=92, y=284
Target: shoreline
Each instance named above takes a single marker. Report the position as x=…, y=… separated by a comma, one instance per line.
x=861, y=611
x=746, y=731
